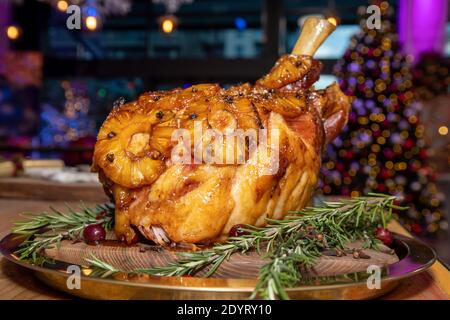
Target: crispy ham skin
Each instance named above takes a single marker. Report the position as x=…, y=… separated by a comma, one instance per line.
x=199, y=202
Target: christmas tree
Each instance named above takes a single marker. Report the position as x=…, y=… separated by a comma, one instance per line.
x=431, y=76
x=382, y=148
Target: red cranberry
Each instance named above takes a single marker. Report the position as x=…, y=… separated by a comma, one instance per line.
x=237, y=230
x=94, y=233
x=384, y=235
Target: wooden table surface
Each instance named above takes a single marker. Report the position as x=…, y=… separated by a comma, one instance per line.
x=18, y=283
x=38, y=189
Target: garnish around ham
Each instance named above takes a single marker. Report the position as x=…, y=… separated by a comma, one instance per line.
x=197, y=200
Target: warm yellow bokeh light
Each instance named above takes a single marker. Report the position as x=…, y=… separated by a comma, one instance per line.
x=167, y=26
x=91, y=23
x=62, y=5
x=333, y=21
x=443, y=130
x=87, y=271
x=13, y=32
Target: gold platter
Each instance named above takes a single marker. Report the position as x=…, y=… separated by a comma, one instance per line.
x=414, y=257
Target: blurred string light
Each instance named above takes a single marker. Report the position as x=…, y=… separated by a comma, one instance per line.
x=13, y=32
x=91, y=23
x=92, y=20
x=240, y=23
x=168, y=23
x=443, y=130
x=62, y=5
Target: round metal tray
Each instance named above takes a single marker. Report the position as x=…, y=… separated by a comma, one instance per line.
x=414, y=257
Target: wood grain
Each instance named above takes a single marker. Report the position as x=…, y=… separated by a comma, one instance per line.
x=35, y=189
x=239, y=266
x=19, y=283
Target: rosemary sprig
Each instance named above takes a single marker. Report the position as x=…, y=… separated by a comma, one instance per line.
x=48, y=229
x=291, y=245
x=101, y=268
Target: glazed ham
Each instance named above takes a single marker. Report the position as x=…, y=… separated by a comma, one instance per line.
x=175, y=182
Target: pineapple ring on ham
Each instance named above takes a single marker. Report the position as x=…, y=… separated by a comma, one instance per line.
x=125, y=149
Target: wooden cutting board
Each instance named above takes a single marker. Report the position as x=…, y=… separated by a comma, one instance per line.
x=240, y=266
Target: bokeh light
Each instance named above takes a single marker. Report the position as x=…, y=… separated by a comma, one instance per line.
x=167, y=25
x=13, y=32
x=91, y=23
x=443, y=130
x=62, y=5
